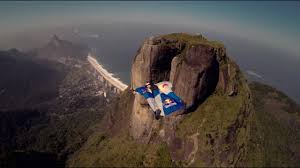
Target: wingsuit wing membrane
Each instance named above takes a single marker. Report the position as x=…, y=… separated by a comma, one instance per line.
x=165, y=99
x=167, y=102
x=144, y=92
x=148, y=96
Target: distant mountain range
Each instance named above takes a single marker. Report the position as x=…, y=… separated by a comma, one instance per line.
x=62, y=51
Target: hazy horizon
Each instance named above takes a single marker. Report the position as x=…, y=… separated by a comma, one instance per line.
x=273, y=22
x=261, y=36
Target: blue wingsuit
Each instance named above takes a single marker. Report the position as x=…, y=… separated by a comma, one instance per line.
x=162, y=98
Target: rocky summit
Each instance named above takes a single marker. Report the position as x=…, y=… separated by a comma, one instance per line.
x=215, y=132
x=197, y=68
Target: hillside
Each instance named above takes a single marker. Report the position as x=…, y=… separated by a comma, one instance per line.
x=22, y=80
x=274, y=130
x=47, y=105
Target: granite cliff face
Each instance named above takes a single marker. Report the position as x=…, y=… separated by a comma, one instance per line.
x=193, y=64
x=189, y=68
x=197, y=68
x=193, y=70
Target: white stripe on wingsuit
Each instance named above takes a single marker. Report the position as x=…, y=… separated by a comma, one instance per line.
x=159, y=104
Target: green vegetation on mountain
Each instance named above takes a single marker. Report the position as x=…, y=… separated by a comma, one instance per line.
x=274, y=129
x=22, y=83
x=273, y=139
x=112, y=145
x=214, y=119
x=47, y=107
x=193, y=39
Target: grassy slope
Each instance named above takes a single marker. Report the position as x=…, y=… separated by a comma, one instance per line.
x=219, y=111
x=106, y=148
x=274, y=141
x=193, y=39
x=270, y=138
x=212, y=118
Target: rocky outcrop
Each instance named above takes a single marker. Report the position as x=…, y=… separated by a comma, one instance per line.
x=198, y=68
x=192, y=67
x=197, y=75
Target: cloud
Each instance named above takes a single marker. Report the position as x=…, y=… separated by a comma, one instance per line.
x=93, y=35
x=85, y=35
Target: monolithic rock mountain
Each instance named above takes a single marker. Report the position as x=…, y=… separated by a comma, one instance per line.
x=195, y=66
x=215, y=132
x=62, y=51
x=192, y=68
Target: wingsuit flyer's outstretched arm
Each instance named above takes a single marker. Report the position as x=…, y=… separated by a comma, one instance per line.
x=148, y=96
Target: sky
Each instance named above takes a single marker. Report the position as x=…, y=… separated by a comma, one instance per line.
x=275, y=23
x=262, y=37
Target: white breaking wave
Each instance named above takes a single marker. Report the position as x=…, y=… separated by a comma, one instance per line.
x=254, y=74
x=116, y=82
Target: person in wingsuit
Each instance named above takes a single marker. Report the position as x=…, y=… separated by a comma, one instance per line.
x=162, y=100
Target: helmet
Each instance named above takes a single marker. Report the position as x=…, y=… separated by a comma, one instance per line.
x=148, y=83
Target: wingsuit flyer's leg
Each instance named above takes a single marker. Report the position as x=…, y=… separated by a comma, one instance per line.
x=168, y=100
x=152, y=104
x=157, y=100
